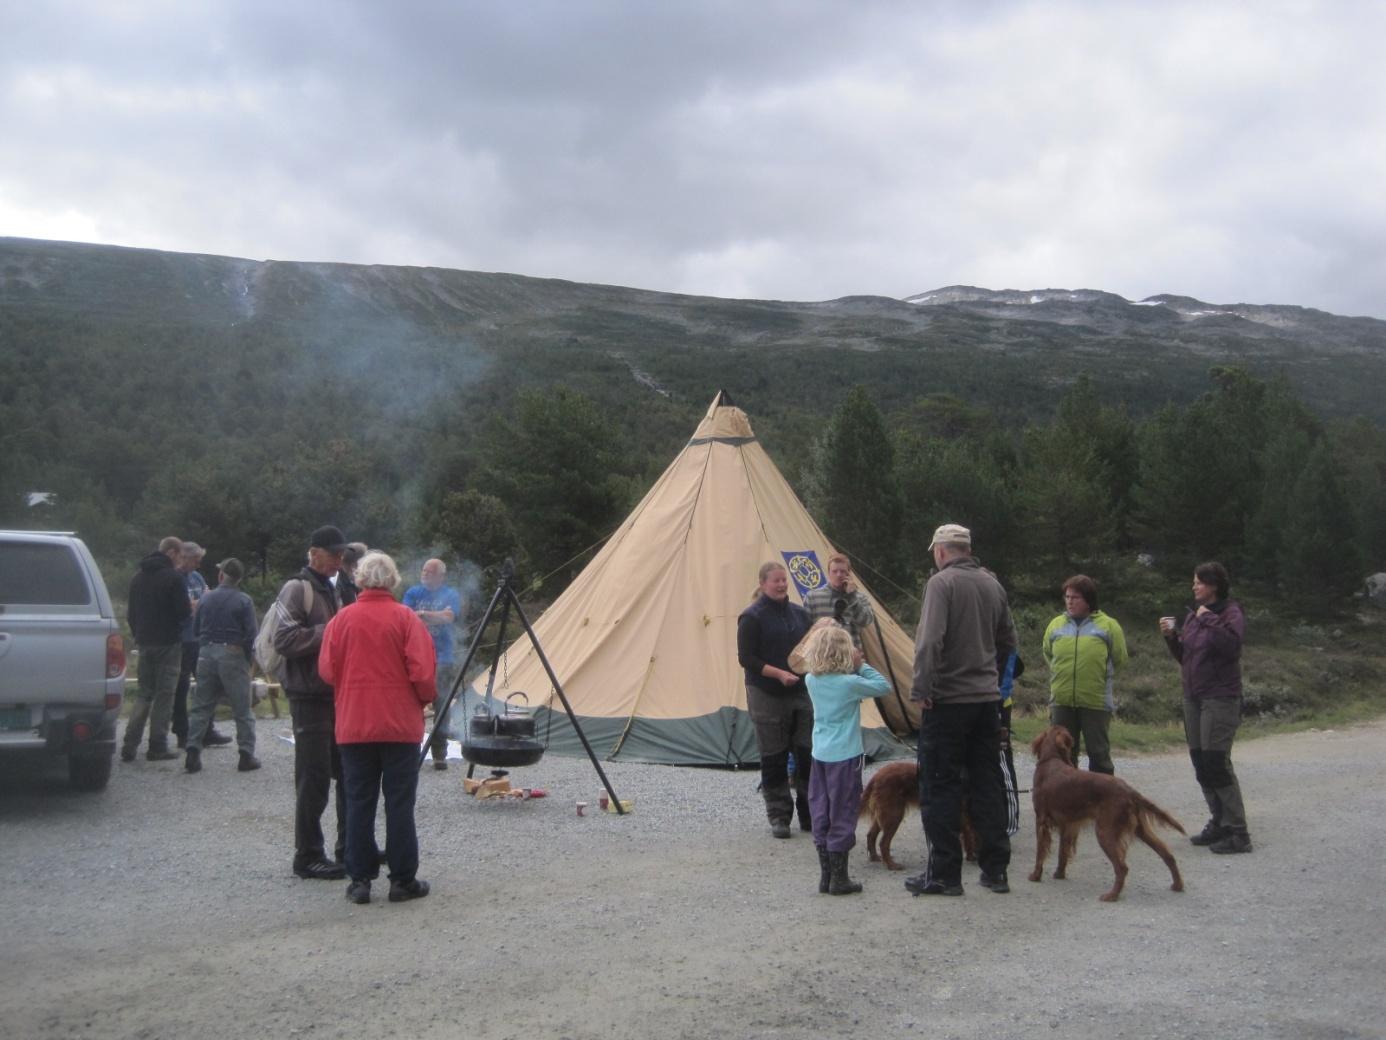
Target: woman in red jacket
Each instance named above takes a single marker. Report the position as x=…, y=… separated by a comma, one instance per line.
x=379, y=659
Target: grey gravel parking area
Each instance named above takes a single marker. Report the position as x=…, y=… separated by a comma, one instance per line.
x=165, y=907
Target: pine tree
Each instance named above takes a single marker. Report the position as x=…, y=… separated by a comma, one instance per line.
x=1318, y=558
x=958, y=481
x=851, y=486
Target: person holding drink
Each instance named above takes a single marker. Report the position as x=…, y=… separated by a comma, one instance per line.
x=1207, y=643
x=777, y=699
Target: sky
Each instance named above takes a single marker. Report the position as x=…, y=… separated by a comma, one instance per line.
x=1234, y=152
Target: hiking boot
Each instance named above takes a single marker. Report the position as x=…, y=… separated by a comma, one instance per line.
x=1212, y=831
x=1231, y=843
x=780, y=829
x=995, y=882
x=160, y=754
x=215, y=739
x=248, y=763
x=193, y=762
x=359, y=892
x=400, y=891
x=921, y=885
x=839, y=884
x=826, y=870
x=321, y=869
x=127, y=754
x=440, y=764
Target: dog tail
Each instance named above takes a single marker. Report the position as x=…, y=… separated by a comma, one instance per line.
x=1149, y=808
x=868, y=796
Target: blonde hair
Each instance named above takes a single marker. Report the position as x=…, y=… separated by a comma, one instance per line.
x=829, y=651
x=766, y=569
x=377, y=571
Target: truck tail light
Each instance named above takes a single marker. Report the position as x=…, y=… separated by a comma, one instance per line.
x=115, y=656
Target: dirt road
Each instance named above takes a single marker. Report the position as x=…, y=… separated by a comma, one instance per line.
x=165, y=908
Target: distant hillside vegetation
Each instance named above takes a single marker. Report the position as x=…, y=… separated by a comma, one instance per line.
x=277, y=395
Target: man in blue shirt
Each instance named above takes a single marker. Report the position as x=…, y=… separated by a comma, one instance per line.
x=188, y=562
x=438, y=608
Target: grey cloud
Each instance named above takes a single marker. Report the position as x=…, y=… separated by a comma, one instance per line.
x=782, y=150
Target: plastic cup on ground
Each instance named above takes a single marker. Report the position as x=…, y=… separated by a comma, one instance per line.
x=582, y=808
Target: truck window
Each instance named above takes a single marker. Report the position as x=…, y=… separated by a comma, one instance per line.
x=46, y=575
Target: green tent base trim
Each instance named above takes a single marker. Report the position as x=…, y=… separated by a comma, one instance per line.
x=726, y=738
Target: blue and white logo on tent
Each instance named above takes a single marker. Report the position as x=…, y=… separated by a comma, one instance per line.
x=804, y=569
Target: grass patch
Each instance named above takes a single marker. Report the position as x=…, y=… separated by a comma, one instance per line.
x=1297, y=673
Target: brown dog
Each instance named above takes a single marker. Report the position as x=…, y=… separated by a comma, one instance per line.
x=889, y=793
x=1067, y=798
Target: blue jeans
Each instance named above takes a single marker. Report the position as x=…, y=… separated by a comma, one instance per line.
x=960, y=754
x=366, y=770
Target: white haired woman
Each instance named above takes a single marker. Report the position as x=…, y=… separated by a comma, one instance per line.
x=379, y=659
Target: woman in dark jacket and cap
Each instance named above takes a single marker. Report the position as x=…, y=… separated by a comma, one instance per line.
x=1208, y=647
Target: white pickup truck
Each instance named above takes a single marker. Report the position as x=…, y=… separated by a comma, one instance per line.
x=62, y=660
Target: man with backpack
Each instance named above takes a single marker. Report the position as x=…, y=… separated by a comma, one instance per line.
x=305, y=605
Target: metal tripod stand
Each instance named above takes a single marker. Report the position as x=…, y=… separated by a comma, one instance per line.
x=506, y=599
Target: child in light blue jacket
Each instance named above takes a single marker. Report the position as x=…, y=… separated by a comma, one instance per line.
x=838, y=681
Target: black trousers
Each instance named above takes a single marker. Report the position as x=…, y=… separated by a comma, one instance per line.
x=959, y=752
x=367, y=770
x=179, y=723
x=316, y=764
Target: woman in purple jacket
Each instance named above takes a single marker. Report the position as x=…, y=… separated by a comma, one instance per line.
x=1208, y=647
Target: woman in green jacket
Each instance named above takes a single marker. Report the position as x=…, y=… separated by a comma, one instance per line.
x=1084, y=649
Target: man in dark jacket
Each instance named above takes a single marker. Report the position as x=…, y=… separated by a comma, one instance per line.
x=309, y=602
x=157, y=606
x=965, y=624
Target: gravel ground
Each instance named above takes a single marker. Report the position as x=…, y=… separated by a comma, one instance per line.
x=165, y=907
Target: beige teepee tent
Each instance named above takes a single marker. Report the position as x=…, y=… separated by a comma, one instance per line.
x=644, y=639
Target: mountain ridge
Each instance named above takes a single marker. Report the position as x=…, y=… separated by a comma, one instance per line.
x=1143, y=352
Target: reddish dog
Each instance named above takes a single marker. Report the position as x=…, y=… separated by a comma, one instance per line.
x=893, y=789
x=1067, y=798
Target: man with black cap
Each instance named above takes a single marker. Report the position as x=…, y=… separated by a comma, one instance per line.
x=309, y=602
x=225, y=628
x=964, y=625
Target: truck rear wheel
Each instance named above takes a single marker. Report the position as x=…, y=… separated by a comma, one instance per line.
x=89, y=772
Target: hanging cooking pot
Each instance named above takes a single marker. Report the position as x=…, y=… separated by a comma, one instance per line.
x=503, y=739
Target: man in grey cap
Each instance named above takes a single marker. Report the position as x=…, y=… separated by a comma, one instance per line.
x=309, y=601
x=225, y=626
x=964, y=623
x=188, y=562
